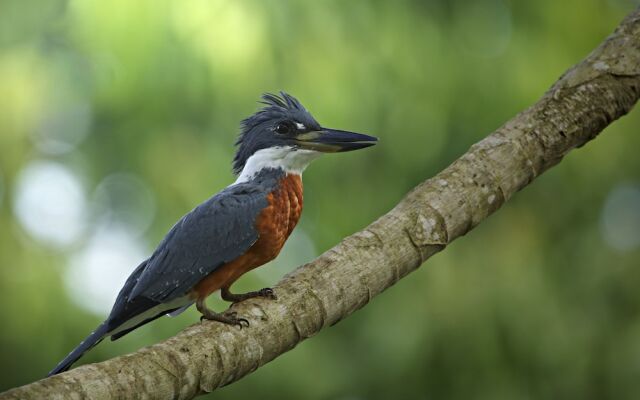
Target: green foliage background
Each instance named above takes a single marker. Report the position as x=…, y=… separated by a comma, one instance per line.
x=534, y=303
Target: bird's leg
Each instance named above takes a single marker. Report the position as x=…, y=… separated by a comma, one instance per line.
x=229, y=318
x=235, y=298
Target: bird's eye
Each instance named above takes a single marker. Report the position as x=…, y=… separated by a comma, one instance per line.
x=282, y=128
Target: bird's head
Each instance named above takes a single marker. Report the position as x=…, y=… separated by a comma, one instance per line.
x=284, y=135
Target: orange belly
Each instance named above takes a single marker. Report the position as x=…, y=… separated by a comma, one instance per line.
x=274, y=225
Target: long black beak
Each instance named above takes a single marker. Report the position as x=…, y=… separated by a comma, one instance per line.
x=333, y=140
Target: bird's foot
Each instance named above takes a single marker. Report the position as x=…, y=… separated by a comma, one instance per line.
x=266, y=293
x=230, y=318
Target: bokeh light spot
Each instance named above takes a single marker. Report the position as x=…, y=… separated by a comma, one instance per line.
x=50, y=204
x=63, y=127
x=125, y=199
x=98, y=271
x=621, y=218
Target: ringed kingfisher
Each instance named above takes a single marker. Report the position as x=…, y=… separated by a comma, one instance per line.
x=240, y=228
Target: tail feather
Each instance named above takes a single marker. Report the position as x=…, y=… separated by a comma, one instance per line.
x=123, y=332
x=91, y=340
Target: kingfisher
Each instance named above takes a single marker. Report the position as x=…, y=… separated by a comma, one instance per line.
x=238, y=229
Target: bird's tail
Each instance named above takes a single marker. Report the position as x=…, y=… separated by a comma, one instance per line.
x=91, y=340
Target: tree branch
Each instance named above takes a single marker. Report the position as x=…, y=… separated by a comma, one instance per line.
x=206, y=356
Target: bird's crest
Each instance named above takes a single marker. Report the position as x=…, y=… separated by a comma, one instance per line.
x=275, y=107
x=284, y=101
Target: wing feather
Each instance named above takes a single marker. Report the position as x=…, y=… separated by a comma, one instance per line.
x=214, y=233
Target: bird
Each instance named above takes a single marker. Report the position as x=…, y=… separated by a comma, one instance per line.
x=236, y=230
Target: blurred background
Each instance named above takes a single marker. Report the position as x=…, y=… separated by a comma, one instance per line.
x=118, y=117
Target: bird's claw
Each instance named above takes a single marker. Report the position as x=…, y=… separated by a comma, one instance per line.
x=234, y=320
x=241, y=322
x=268, y=293
x=229, y=318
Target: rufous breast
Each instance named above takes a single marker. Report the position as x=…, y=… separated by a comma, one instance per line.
x=274, y=225
x=276, y=222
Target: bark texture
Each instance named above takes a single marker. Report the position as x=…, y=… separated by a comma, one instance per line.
x=206, y=356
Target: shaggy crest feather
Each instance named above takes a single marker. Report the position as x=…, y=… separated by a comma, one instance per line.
x=277, y=108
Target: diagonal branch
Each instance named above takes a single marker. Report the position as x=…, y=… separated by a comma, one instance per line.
x=206, y=356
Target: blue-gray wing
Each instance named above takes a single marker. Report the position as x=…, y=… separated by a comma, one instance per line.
x=216, y=232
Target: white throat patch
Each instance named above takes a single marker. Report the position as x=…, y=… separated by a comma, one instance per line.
x=289, y=159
